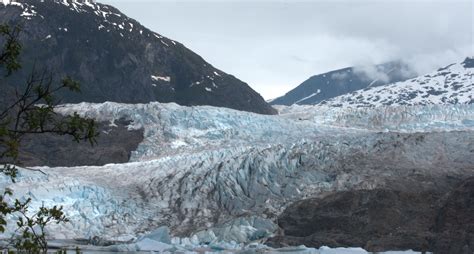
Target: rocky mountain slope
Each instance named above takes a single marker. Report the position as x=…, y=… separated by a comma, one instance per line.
x=331, y=84
x=115, y=144
x=453, y=84
x=115, y=58
x=426, y=219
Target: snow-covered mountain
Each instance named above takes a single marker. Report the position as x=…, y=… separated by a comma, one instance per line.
x=115, y=58
x=331, y=84
x=221, y=178
x=453, y=84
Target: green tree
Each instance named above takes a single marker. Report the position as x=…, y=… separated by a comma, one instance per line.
x=31, y=111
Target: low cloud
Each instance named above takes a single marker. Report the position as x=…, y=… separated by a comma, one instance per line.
x=276, y=45
x=424, y=63
x=371, y=72
x=339, y=75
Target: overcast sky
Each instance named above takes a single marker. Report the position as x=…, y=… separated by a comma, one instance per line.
x=276, y=45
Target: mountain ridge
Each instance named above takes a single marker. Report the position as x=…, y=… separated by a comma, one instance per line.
x=115, y=58
x=453, y=84
x=331, y=84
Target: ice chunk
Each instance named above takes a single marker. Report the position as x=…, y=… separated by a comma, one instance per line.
x=152, y=245
x=162, y=234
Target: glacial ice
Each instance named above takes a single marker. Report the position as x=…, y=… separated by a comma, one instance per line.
x=218, y=178
x=171, y=129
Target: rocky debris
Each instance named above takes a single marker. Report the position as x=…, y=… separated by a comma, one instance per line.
x=114, y=145
x=385, y=219
x=375, y=220
x=455, y=222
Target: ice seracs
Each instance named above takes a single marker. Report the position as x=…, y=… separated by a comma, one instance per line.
x=220, y=175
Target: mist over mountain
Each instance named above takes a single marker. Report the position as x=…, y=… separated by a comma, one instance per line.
x=334, y=83
x=453, y=84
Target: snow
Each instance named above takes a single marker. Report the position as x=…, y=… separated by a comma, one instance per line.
x=453, y=84
x=28, y=10
x=162, y=78
x=373, y=82
x=195, y=83
x=310, y=96
x=164, y=43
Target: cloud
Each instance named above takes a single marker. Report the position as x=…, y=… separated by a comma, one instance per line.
x=424, y=63
x=339, y=76
x=371, y=72
x=276, y=45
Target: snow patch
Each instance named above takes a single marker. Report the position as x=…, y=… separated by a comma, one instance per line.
x=310, y=96
x=162, y=78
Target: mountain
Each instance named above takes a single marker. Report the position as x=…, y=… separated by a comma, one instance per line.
x=331, y=84
x=115, y=58
x=453, y=84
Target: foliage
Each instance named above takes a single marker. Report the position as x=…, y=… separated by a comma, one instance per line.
x=33, y=236
x=31, y=111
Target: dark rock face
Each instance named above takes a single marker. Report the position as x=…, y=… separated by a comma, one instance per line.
x=384, y=219
x=114, y=145
x=116, y=59
x=455, y=222
x=332, y=84
x=468, y=62
x=376, y=220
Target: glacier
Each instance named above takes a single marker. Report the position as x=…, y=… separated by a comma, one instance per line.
x=216, y=178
